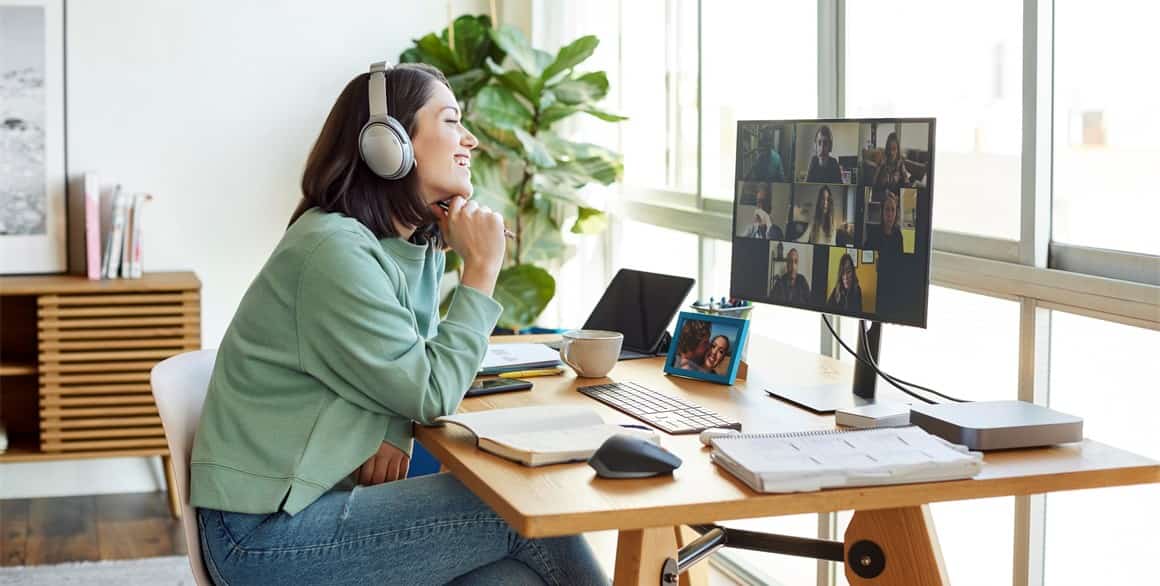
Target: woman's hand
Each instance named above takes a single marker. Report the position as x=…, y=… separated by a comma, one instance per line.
x=476, y=233
x=389, y=463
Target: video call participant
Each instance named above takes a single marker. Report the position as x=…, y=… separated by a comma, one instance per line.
x=766, y=165
x=847, y=293
x=823, y=167
x=822, y=228
x=762, y=226
x=886, y=238
x=791, y=286
x=892, y=173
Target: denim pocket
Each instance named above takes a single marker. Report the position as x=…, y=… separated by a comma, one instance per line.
x=241, y=526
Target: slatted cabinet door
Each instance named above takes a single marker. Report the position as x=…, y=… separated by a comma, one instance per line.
x=96, y=351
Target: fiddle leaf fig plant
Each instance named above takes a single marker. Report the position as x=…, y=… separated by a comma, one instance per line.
x=512, y=95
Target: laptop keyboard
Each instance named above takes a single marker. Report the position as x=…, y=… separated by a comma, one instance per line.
x=665, y=412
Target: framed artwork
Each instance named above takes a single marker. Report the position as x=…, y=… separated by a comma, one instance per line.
x=32, y=137
x=707, y=347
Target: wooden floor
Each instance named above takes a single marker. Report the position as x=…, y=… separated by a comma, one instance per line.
x=87, y=528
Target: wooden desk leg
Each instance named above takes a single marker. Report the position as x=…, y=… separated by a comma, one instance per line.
x=904, y=539
x=171, y=487
x=640, y=553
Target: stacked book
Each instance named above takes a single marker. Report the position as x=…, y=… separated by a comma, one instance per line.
x=105, y=232
x=501, y=358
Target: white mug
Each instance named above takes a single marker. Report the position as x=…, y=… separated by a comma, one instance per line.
x=591, y=353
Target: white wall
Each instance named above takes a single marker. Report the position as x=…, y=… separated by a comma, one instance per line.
x=212, y=106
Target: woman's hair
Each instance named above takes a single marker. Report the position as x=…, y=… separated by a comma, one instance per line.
x=823, y=221
x=337, y=180
x=845, y=261
x=692, y=334
x=892, y=138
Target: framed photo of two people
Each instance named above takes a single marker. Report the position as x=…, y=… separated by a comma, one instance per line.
x=707, y=347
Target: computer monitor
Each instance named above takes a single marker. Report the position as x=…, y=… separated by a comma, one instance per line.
x=834, y=216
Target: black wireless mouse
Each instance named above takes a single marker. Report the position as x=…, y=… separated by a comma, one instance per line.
x=629, y=456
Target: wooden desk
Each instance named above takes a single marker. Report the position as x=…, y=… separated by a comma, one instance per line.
x=569, y=498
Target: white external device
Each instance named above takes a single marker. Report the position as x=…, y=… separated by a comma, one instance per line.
x=879, y=414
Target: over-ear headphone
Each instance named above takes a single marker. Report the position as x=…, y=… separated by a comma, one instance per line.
x=383, y=143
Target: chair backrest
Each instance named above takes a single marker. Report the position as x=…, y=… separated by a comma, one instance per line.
x=179, y=387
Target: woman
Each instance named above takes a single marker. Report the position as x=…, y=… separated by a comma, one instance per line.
x=823, y=168
x=822, y=229
x=847, y=293
x=692, y=345
x=336, y=349
x=891, y=174
x=717, y=358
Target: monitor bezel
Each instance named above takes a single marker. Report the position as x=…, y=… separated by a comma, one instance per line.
x=928, y=230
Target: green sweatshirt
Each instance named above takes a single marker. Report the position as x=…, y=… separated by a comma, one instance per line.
x=336, y=347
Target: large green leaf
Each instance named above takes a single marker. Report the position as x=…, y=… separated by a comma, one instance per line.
x=590, y=87
x=436, y=52
x=569, y=56
x=605, y=116
x=583, y=171
x=472, y=41
x=515, y=80
x=500, y=108
x=555, y=113
x=561, y=191
x=411, y=55
x=540, y=237
x=491, y=188
x=565, y=149
x=515, y=44
x=590, y=221
x=535, y=150
x=465, y=85
x=524, y=291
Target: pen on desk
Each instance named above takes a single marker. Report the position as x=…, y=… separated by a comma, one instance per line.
x=528, y=373
x=507, y=233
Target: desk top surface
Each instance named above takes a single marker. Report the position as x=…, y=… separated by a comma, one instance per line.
x=569, y=498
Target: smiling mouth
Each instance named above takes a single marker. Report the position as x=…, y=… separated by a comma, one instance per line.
x=463, y=161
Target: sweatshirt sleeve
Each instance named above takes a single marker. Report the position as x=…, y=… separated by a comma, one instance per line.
x=358, y=337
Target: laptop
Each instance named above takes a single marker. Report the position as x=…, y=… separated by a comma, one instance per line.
x=641, y=306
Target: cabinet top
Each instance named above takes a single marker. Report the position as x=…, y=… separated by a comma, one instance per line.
x=49, y=284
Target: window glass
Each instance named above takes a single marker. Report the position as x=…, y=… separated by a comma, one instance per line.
x=1105, y=373
x=1107, y=134
x=658, y=93
x=759, y=62
x=961, y=63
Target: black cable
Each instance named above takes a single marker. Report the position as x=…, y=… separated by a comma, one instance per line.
x=870, y=357
x=885, y=376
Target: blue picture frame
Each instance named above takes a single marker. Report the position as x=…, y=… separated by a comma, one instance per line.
x=701, y=357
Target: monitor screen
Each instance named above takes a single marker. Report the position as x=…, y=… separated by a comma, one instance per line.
x=835, y=216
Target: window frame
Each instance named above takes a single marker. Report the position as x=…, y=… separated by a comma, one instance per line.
x=1040, y=274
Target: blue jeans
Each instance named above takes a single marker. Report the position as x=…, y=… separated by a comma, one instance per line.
x=426, y=530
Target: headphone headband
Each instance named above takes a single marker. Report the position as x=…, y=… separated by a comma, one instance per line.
x=378, y=90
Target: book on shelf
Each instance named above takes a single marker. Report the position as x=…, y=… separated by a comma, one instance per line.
x=84, y=227
x=535, y=436
x=116, y=235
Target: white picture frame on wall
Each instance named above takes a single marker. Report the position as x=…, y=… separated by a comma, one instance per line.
x=32, y=137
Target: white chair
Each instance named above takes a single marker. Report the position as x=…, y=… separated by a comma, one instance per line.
x=179, y=387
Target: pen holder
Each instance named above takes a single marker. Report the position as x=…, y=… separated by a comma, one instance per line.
x=715, y=309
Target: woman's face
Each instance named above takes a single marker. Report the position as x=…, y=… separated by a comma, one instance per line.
x=442, y=148
x=823, y=144
x=889, y=211
x=892, y=150
x=847, y=275
x=716, y=352
x=826, y=202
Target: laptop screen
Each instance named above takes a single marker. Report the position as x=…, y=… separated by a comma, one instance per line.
x=640, y=305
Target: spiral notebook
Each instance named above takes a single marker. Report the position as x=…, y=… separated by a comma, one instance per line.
x=813, y=460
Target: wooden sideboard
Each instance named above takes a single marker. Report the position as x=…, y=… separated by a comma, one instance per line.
x=75, y=357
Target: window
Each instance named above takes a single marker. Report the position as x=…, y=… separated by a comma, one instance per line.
x=1107, y=134
x=961, y=63
x=658, y=76
x=1107, y=374
x=759, y=62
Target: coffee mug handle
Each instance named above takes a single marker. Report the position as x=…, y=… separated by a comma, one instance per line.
x=567, y=343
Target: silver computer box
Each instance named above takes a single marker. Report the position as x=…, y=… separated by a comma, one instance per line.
x=997, y=425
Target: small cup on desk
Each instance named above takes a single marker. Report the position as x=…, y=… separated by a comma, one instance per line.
x=591, y=353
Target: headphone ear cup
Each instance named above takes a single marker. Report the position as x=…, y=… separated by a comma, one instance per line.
x=386, y=148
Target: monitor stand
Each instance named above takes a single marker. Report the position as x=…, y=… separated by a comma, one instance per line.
x=825, y=399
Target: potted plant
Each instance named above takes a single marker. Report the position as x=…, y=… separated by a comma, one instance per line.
x=512, y=95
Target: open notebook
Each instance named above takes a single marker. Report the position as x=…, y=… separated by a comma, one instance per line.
x=540, y=435
x=813, y=460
